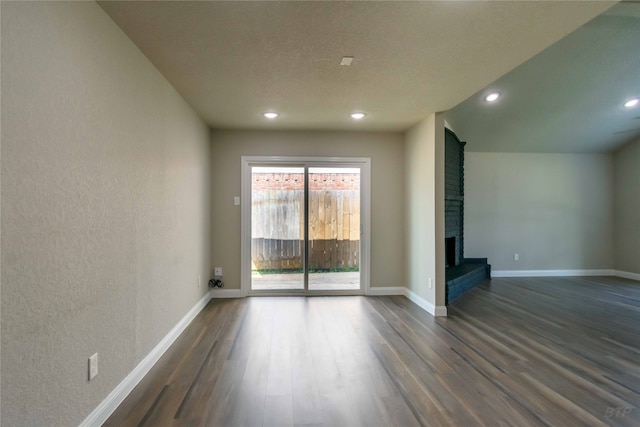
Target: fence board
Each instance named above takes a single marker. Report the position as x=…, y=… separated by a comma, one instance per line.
x=339, y=215
x=278, y=229
x=321, y=209
x=354, y=222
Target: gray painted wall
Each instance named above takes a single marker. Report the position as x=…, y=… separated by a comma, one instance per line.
x=386, y=151
x=424, y=194
x=105, y=209
x=555, y=210
x=627, y=207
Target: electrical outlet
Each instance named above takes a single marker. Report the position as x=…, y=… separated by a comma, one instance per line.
x=217, y=271
x=198, y=281
x=93, y=366
x=516, y=257
x=430, y=285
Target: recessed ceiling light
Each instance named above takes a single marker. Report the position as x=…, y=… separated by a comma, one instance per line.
x=270, y=115
x=492, y=97
x=357, y=116
x=631, y=103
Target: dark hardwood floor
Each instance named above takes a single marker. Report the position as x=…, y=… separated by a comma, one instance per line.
x=517, y=352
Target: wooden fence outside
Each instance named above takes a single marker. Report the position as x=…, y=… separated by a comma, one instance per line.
x=278, y=230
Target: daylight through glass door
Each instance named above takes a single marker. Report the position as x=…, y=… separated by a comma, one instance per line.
x=277, y=228
x=289, y=253
x=334, y=228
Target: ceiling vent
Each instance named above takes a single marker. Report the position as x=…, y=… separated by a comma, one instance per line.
x=346, y=60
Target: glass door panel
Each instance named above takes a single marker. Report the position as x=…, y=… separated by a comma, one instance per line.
x=277, y=228
x=334, y=229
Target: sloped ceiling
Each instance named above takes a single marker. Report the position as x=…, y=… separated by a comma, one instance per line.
x=232, y=61
x=567, y=99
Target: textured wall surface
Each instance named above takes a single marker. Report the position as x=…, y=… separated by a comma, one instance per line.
x=387, y=183
x=627, y=207
x=105, y=209
x=424, y=195
x=554, y=210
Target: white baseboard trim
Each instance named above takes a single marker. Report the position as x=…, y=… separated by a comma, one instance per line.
x=226, y=293
x=439, y=310
x=386, y=290
x=104, y=410
x=627, y=275
x=551, y=273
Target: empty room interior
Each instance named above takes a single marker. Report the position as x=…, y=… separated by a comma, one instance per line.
x=319, y=213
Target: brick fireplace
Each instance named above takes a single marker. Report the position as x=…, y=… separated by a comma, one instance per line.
x=462, y=274
x=454, y=196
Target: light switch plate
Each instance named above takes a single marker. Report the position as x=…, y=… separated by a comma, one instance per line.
x=93, y=366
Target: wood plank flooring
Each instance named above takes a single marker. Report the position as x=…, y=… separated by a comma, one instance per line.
x=513, y=352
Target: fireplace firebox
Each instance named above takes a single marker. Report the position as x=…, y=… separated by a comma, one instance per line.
x=450, y=251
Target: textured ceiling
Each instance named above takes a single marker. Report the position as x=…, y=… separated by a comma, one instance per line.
x=234, y=60
x=568, y=98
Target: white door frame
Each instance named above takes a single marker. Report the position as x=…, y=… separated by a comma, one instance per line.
x=364, y=163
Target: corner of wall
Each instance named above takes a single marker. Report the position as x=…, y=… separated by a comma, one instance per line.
x=626, y=208
x=424, y=209
x=439, y=207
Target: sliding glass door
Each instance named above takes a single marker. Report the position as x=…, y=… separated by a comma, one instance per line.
x=304, y=227
x=277, y=228
x=334, y=228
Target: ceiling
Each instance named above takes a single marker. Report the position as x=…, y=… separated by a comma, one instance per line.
x=567, y=99
x=234, y=60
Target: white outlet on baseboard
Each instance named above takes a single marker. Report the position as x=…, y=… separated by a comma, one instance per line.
x=430, y=285
x=93, y=366
x=217, y=271
x=516, y=257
